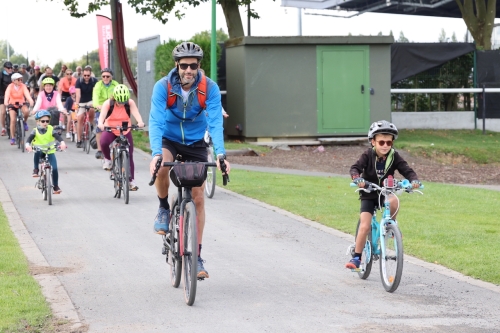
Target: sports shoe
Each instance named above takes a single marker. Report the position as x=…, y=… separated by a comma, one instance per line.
x=26, y=128
x=79, y=144
x=68, y=135
x=133, y=186
x=202, y=272
x=4, y=132
x=35, y=173
x=99, y=155
x=353, y=263
x=57, y=190
x=12, y=141
x=107, y=164
x=161, y=221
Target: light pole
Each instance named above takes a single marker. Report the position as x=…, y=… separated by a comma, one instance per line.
x=213, y=45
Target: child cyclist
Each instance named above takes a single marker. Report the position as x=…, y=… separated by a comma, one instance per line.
x=43, y=134
x=114, y=111
x=376, y=164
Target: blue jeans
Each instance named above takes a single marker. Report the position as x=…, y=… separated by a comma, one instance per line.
x=53, y=164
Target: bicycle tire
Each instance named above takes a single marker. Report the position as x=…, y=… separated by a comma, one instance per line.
x=125, y=176
x=7, y=123
x=86, y=137
x=366, y=267
x=48, y=184
x=115, y=169
x=391, y=253
x=18, y=134
x=44, y=185
x=176, y=264
x=211, y=175
x=190, y=257
x=21, y=137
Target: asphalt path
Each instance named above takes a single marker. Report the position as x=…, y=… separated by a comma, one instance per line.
x=270, y=271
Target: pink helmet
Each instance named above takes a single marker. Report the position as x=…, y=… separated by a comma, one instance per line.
x=72, y=89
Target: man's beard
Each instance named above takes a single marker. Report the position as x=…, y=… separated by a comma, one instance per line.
x=187, y=81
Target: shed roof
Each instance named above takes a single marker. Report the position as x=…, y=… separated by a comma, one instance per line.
x=308, y=40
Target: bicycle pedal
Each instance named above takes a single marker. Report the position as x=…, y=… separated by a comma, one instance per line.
x=201, y=278
x=357, y=270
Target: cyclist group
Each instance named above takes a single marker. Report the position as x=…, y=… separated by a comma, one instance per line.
x=178, y=128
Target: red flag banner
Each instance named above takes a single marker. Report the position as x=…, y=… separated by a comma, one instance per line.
x=104, y=33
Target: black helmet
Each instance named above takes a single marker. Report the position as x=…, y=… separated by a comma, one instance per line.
x=23, y=66
x=382, y=127
x=107, y=70
x=16, y=66
x=7, y=64
x=187, y=50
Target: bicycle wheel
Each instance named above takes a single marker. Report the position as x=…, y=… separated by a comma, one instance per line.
x=21, y=136
x=48, y=185
x=116, y=171
x=173, y=253
x=44, y=185
x=86, y=137
x=190, y=257
x=366, y=255
x=391, y=258
x=18, y=134
x=7, y=124
x=211, y=175
x=125, y=175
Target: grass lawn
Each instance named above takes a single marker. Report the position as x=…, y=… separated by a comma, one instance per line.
x=454, y=226
x=22, y=305
x=471, y=144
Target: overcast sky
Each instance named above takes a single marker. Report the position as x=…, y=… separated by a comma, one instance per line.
x=71, y=38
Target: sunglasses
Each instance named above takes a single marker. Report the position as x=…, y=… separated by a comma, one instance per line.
x=383, y=143
x=69, y=73
x=8, y=67
x=106, y=76
x=193, y=66
x=44, y=121
x=86, y=76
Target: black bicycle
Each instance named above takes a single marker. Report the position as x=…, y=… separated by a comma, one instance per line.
x=120, y=167
x=20, y=132
x=180, y=244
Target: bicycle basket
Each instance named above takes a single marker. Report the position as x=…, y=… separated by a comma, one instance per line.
x=188, y=174
x=54, y=116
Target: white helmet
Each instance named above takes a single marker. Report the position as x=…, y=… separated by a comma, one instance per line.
x=382, y=127
x=16, y=76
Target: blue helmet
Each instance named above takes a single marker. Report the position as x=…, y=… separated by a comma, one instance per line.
x=42, y=113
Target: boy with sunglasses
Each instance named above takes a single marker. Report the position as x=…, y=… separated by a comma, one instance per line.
x=376, y=164
x=44, y=134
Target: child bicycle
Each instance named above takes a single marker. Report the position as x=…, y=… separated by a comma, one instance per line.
x=180, y=244
x=120, y=167
x=44, y=183
x=384, y=240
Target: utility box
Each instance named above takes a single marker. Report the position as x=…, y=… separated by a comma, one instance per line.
x=301, y=88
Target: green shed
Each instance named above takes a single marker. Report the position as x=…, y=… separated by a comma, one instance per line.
x=303, y=88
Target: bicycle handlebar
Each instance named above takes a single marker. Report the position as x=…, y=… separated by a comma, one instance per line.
x=121, y=128
x=157, y=167
x=400, y=185
x=223, y=168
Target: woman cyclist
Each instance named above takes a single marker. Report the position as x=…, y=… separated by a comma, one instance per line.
x=48, y=98
x=15, y=96
x=114, y=111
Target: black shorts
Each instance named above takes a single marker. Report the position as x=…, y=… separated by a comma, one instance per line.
x=369, y=205
x=1, y=100
x=197, y=152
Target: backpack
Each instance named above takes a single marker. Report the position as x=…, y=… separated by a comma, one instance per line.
x=112, y=106
x=202, y=94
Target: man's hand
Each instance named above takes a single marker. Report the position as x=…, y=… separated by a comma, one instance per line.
x=63, y=146
x=228, y=166
x=152, y=165
x=28, y=148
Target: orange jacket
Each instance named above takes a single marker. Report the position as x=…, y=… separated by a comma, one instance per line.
x=65, y=84
x=13, y=95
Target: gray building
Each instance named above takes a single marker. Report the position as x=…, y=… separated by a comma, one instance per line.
x=306, y=87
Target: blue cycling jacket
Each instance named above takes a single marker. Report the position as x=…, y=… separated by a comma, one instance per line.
x=183, y=122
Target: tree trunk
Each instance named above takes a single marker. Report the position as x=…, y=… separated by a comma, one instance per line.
x=233, y=18
x=480, y=24
x=117, y=67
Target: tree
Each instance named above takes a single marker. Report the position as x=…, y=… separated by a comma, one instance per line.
x=442, y=36
x=160, y=9
x=402, y=38
x=479, y=16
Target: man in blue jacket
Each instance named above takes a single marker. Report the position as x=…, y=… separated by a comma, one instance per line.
x=180, y=128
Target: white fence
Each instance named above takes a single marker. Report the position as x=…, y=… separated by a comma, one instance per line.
x=444, y=120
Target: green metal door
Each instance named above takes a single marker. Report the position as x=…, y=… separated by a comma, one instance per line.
x=343, y=89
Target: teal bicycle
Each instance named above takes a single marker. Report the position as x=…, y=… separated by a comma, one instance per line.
x=384, y=241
